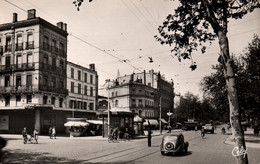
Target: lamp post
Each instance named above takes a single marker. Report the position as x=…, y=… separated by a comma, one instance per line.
x=169, y=114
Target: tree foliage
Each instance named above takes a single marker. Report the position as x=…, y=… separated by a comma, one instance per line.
x=247, y=70
x=192, y=108
x=189, y=27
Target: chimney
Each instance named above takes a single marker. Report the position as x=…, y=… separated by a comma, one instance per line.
x=64, y=26
x=31, y=14
x=92, y=67
x=14, y=17
x=60, y=25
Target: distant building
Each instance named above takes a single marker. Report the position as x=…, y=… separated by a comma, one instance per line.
x=143, y=93
x=82, y=84
x=33, y=90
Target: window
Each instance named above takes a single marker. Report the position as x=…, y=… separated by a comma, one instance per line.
x=18, y=81
x=133, y=102
x=140, y=102
x=116, y=103
x=45, y=98
x=29, y=80
x=18, y=98
x=8, y=62
x=8, y=44
x=62, y=50
x=61, y=102
x=86, y=90
x=79, y=88
x=72, y=87
x=91, y=91
x=71, y=104
x=45, y=62
x=19, y=42
x=29, y=99
x=79, y=75
x=54, y=47
x=85, y=77
x=53, y=83
x=7, y=81
x=61, y=84
x=72, y=73
x=29, y=59
x=53, y=100
x=45, y=81
x=46, y=42
x=54, y=62
x=19, y=61
x=91, y=79
x=7, y=100
x=85, y=105
x=91, y=106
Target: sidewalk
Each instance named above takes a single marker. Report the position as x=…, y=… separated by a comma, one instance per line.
x=251, y=140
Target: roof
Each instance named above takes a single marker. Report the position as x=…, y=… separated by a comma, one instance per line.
x=97, y=122
x=151, y=121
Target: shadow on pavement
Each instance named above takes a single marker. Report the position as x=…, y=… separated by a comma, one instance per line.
x=19, y=156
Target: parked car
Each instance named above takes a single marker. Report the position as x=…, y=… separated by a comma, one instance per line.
x=173, y=143
x=208, y=128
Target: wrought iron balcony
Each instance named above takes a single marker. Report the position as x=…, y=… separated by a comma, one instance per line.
x=24, y=66
x=19, y=47
x=8, y=48
x=18, y=89
x=30, y=45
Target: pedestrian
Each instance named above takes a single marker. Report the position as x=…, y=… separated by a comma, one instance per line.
x=24, y=133
x=50, y=132
x=115, y=133
x=53, y=134
x=35, y=135
x=149, y=137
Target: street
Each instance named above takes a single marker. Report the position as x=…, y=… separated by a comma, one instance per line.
x=211, y=149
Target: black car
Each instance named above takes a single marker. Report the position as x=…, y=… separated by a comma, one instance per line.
x=173, y=143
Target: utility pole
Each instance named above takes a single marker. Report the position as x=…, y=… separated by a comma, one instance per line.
x=108, y=112
x=160, y=115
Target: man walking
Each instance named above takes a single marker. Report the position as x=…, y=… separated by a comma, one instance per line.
x=149, y=137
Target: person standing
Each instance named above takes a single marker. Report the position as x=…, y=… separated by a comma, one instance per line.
x=53, y=132
x=149, y=138
x=50, y=132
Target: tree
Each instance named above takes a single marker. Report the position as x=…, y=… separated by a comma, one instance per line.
x=247, y=71
x=189, y=27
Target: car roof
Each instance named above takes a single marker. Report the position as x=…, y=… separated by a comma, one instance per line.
x=172, y=134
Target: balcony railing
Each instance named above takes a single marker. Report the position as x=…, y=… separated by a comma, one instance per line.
x=8, y=48
x=19, y=89
x=53, y=89
x=48, y=67
x=24, y=66
x=30, y=45
x=19, y=46
x=4, y=68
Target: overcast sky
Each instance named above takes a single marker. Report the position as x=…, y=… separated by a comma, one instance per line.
x=107, y=31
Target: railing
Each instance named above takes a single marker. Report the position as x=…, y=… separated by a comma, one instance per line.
x=4, y=68
x=24, y=66
x=30, y=45
x=19, y=47
x=19, y=89
x=8, y=48
x=53, y=89
x=48, y=67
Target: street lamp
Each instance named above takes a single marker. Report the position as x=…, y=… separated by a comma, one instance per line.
x=169, y=114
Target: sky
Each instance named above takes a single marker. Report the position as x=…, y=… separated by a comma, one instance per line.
x=119, y=35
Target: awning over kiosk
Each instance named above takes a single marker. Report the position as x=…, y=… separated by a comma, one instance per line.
x=97, y=122
x=151, y=121
x=164, y=121
x=75, y=123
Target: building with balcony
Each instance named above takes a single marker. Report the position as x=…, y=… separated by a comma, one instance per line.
x=33, y=81
x=145, y=93
x=82, y=84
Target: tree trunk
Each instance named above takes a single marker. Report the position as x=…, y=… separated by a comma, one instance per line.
x=232, y=98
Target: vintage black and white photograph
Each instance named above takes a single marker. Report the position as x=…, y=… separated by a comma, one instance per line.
x=130, y=81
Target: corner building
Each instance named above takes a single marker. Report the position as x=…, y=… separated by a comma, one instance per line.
x=33, y=57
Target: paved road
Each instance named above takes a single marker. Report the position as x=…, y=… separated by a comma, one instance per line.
x=211, y=149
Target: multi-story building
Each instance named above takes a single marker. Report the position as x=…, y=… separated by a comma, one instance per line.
x=33, y=57
x=146, y=93
x=82, y=84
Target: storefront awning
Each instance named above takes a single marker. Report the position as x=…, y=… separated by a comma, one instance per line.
x=151, y=121
x=75, y=123
x=97, y=122
x=163, y=121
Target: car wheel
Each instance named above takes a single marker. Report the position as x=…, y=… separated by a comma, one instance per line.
x=162, y=152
